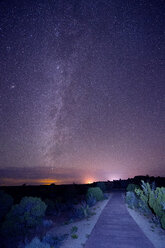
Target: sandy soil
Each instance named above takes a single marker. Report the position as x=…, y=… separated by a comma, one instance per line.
x=84, y=226
x=154, y=233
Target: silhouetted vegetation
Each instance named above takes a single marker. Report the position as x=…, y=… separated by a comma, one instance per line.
x=6, y=202
x=148, y=199
x=95, y=192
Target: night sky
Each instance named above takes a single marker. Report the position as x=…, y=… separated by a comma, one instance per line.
x=82, y=90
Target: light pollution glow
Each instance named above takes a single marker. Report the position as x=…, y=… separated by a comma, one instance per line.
x=45, y=181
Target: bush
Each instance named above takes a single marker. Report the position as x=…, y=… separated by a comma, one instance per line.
x=157, y=201
x=6, y=202
x=47, y=223
x=85, y=209
x=132, y=187
x=162, y=220
x=51, y=208
x=152, y=199
x=144, y=208
x=91, y=200
x=80, y=211
x=74, y=229
x=36, y=243
x=143, y=195
x=54, y=241
x=102, y=186
x=48, y=241
x=54, y=207
x=131, y=200
x=74, y=236
x=95, y=192
x=27, y=214
x=77, y=212
x=146, y=190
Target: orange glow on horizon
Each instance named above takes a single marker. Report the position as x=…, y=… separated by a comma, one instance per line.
x=43, y=181
x=89, y=180
x=13, y=182
x=48, y=181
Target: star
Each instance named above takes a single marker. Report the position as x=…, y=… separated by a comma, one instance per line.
x=12, y=86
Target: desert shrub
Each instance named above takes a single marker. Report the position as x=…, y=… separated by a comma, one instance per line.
x=60, y=207
x=132, y=187
x=80, y=211
x=152, y=199
x=157, y=204
x=51, y=207
x=27, y=214
x=96, y=192
x=91, y=200
x=47, y=223
x=77, y=212
x=74, y=229
x=85, y=209
x=153, y=185
x=157, y=201
x=54, y=241
x=146, y=189
x=55, y=207
x=102, y=186
x=74, y=236
x=131, y=199
x=144, y=195
x=144, y=208
x=36, y=243
x=6, y=202
x=33, y=210
x=162, y=220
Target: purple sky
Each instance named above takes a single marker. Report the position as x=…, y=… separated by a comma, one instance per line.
x=82, y=90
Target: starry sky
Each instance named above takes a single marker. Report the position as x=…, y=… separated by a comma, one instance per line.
x=82, y=90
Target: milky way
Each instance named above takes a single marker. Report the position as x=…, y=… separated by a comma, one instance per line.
x=82, y=89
